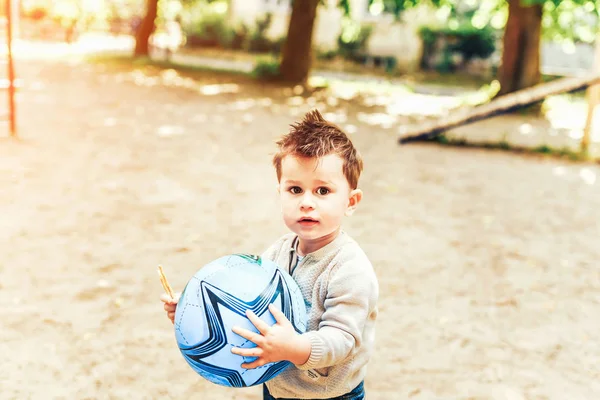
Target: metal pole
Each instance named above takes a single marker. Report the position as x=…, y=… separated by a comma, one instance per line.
x=11, y=70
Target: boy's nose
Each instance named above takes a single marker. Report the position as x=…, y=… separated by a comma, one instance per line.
x=307, y=203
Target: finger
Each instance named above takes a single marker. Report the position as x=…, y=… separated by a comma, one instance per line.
x=248, y=335
x=170, y=307
x=261, y=325
x=171, y=316
x=255, y=364
x=278, y=315
x=252, y=352
x=165, y=298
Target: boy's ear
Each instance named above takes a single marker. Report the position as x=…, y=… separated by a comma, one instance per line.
x=353, y=200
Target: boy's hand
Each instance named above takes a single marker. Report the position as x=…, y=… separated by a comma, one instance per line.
x=170, y=305
x=274, y=343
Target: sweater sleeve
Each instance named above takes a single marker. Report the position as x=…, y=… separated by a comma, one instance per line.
x=352, y=294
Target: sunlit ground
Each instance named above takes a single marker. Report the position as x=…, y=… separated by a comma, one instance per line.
x=494, y=291
x=387, y=104
x=89, y=43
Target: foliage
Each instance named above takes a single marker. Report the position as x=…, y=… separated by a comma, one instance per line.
x=326, y=55
x=35, y=13
x=266, y=69
x=563, y=20
x=570, y=21
x=239, y=36
x=395, y=7
x=353, y=39
x=168, y=10
x=259, y=41
x=466, y=40
x=101, y=15
x=205, y=25
x=345, y=6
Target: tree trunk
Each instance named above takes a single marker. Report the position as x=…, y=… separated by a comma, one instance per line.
x=145, y=30
x=520, y=67
x=297, y=50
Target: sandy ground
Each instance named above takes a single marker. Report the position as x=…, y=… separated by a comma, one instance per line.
x=488, y=261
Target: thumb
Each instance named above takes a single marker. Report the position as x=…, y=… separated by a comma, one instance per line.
x=165, y=298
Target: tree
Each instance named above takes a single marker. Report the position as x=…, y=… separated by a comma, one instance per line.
x=145, y=29
x=297, y=49
x=520, y=66
x=528, y=22
x=296, y=58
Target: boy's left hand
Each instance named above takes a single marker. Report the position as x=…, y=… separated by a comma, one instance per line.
x=274, y=343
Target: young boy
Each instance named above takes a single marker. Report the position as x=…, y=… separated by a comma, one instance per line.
x=317, y=171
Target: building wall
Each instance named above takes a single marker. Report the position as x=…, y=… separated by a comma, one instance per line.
x=389, y=37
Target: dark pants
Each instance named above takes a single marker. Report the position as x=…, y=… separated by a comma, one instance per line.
x=358, y=393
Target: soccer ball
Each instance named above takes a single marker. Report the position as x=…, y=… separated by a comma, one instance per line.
x=216, y=299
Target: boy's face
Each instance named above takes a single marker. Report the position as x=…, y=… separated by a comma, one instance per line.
x=315, y=197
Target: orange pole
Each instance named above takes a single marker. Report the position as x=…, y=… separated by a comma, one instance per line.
x=11, y=70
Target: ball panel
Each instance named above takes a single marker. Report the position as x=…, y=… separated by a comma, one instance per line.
x=216, y=299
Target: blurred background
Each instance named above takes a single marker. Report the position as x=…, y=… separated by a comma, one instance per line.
x=140, y=132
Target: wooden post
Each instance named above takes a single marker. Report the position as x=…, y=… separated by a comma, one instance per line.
x=593, y=98
x=11, y=69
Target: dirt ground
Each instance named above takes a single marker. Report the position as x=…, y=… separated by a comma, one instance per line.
x=488, y=261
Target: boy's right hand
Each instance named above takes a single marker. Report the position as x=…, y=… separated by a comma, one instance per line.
x=170, y=305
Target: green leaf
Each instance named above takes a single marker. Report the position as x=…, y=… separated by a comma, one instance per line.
x=345, y=6
x=528, y=3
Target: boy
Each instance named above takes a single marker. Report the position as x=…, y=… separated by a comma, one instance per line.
x=317, y=171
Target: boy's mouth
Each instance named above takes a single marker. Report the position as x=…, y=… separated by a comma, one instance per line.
x=307, y=221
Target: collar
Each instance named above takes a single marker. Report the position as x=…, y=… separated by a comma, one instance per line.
x=341, y=238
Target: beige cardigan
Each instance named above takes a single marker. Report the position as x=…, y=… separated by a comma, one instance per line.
x=340, y=290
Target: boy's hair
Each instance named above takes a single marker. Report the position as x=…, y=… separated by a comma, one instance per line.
x=315, y=137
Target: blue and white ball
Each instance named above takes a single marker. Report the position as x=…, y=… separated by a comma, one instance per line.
x=216, y=299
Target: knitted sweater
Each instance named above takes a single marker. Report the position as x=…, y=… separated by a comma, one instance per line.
x=340, y=290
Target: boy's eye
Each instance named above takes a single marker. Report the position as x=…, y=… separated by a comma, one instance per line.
x=295, y=190
x=322, y=191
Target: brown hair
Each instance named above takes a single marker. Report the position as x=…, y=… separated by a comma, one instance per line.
x=315, y=137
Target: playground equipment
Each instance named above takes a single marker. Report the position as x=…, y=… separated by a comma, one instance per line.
x=10, y=83
x=509, y=102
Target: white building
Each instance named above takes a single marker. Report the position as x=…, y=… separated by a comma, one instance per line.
x=389, y=37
